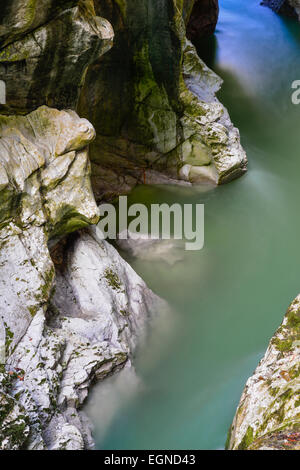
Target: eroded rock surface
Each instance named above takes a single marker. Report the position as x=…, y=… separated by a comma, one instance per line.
x=45, y=50
x=97, y=315
x=268, y=416
x=152, y=101
x=45, y=193
x=66, y=325
x=202, y=19
x=151, y=248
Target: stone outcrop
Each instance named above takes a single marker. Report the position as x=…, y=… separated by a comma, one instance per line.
x=202, y=19
x=152, y=101
x=268, y=416
x=284, y=7
x=95, y=318
x=66, y=325
x=45, y=50
x=45, y=193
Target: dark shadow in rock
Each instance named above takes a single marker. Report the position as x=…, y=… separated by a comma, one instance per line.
x=207, y=49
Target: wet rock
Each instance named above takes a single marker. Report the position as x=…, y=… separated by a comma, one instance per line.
x=69, y=320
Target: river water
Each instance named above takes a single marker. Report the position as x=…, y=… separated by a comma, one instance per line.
x=231, y=296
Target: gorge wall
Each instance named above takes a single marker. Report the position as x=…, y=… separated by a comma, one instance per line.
x=152, y=102
x=284, y=7
x=72, y=311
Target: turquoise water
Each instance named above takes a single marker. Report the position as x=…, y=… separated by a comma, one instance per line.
x=231, y=296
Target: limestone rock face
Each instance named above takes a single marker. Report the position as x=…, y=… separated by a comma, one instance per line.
x=152, y=101
x=97, y=315
x=19, y=17
x=268, y=416
x=67, y=323
x=284, y=7
x=45, y=49
x=45, y=194
x=14, y=423
x=203, y=19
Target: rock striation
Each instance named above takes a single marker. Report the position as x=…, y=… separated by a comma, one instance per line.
x=45, y=51
x=268, y=416
x=152, y=101
x=45, y=193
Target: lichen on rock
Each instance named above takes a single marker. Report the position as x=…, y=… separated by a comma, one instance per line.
x=268, y=416
x=62, y=326
x=147, y=106
x=45, y=193
x=45, y=50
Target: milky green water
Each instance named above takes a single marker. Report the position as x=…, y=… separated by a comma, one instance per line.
x=232, y=295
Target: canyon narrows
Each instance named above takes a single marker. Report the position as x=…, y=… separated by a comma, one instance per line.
x=136, y=343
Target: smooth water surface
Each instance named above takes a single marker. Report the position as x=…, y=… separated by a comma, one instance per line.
x=231, y=296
